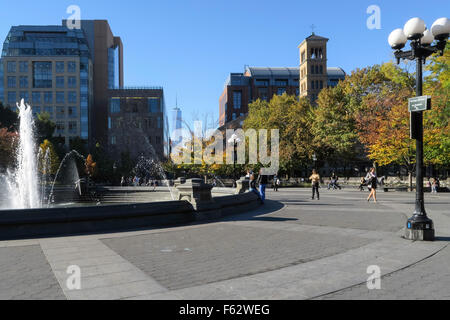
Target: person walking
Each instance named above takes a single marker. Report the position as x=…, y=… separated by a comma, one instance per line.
x=372, y=181
x=276, y=183
x=262, y=181
x=434, y=186
x=315, y=181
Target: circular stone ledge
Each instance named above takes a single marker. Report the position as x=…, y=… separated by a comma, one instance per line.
x=32, y=223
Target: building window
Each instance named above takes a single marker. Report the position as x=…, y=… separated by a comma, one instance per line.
x=71, y=67
x=23, y=82
x=23, y=66
x=11, y=66
x=321, y=84
x=48, y=97
x=42, y=74
x=60, y=67
x=49, y=110
x=72, y=82
x=112, y=67
x=72, y=97
x=159, y=122
x=113, y=140
x=237, y=98
x=60, y=82
x=60, y=113
x=72, y=112
x=36, y=110
x=312, y=85
x=312, y=69
x=154, y=105
x=261, y=82
x=234, y=116
x=115, y=105
x=321, y=69
x=36, y=97
x=60, y=127
x=73, y=127
x=281, y=91
x=84, y=97
x=12, y=82
x=263, y=93
x=12, y=98
x=60, y=97
x=24, y=95
x=281, y=83
x=158, y=140
x=317, y=69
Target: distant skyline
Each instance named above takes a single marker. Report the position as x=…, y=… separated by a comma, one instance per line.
x=190, y=47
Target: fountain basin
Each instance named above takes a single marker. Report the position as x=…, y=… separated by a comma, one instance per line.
x=31, y=223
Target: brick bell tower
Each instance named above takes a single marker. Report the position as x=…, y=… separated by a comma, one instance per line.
x=313, y=66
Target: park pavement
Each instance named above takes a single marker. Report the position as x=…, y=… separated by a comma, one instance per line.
x=291, y=248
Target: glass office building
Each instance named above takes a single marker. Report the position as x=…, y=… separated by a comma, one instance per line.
x=50, y=67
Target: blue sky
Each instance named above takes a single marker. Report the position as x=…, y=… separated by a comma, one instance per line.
x=190, y=46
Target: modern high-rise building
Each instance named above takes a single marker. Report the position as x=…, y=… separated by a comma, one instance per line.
x=65, y=72
x=177, y=124
x=107, y=59
x=138, y=123
x=50, y=67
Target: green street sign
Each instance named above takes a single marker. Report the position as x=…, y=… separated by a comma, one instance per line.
x=418, y=104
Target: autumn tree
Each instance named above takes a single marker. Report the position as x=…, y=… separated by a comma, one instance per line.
x=90, y=166
x=8, y=145
x=48, y=161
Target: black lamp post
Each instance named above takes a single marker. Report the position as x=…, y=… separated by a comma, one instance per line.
x=235, y=140
x=314, y=157
x=419, y=227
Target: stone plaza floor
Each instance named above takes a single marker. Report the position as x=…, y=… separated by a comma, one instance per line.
x=291, y=248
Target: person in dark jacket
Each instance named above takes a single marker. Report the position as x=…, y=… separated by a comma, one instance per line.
x=262, y=181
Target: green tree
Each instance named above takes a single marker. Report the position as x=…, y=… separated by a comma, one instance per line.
x=293, y=118
x=45, y=127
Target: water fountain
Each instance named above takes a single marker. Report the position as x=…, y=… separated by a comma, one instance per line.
x=27, y=207
x=23, y=183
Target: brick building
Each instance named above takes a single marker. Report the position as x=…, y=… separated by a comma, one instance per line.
x=307, y=80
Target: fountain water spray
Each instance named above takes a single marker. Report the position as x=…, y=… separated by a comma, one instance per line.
x=23, y=183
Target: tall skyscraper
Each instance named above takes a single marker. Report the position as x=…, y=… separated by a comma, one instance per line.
x=177, y=123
